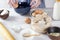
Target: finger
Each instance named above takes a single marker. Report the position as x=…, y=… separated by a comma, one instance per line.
x=12, y=1
x=35, y=5
x=32, y=2
x=9, y=2
x=12, y=5
x=15, y=1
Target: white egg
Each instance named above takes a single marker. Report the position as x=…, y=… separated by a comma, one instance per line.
x=17, y=29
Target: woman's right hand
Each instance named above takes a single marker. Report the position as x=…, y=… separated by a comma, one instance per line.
x=13, y=3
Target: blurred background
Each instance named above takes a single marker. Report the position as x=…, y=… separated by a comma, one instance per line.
x=48, y=3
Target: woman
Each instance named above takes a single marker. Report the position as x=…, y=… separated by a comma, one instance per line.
x=16, y=4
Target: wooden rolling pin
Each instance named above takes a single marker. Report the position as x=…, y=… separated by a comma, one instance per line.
x=5, y=33
x=30, y=35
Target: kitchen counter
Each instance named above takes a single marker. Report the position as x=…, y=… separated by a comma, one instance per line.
x=16, y=20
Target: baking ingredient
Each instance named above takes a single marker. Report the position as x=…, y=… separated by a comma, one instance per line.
x=16, y=29
x=41, y=22
x=37, y=12
x=27, y=20
x=56, y=11
x=55, y=34
x=5, y=33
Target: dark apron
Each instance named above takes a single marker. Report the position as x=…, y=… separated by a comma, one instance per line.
x=24, y=11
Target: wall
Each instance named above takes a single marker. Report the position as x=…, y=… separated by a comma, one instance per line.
x=49, y=3
x=4, y=4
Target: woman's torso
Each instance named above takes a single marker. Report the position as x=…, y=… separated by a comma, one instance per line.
x=25, y=10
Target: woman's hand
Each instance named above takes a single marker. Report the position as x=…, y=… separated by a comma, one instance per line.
x=35, y=3
x=13, y=3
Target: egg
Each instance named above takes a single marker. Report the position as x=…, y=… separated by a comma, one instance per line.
x=27, y=20
x=37, y=12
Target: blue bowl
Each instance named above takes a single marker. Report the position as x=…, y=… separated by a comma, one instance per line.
x=23, y=11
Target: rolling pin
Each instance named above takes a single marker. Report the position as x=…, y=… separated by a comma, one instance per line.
x=5, y=33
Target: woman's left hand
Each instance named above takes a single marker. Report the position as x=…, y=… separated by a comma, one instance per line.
x=35, y=3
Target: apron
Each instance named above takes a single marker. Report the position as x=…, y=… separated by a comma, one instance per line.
x=24, y=11
x=42, y=5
